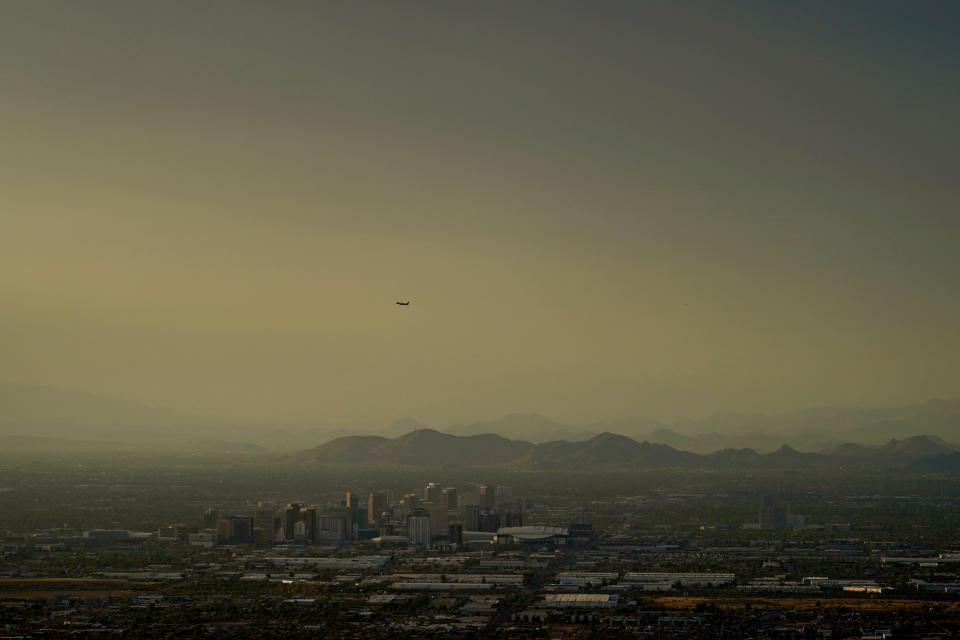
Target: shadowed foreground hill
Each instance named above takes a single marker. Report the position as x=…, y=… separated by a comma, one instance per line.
x=946, y=463
x=604, y=452
x=609, y=451
x=895, y=451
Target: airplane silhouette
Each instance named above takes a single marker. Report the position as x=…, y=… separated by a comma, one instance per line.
x=404, y=303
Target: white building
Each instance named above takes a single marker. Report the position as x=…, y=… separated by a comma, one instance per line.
x=418, y=530
x=664, y=581
x=583, y=600
x=332, y=528
x=205, y=540
x=586, y=578
x=533, y=534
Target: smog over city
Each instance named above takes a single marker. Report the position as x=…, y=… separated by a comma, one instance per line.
x=479, y=319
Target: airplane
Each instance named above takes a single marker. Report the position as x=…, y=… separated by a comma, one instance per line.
x=405, y=303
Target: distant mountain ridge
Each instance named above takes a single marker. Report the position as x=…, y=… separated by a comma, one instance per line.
x=604, y=452
x=26, y=406
x=411, y=449
x=807, y=430
x=912, y=448
x=525, y=426
x=51, y=420
x=608, y=451
x=29, y=410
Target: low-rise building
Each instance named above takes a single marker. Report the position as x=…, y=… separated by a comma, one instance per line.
x=583, y=600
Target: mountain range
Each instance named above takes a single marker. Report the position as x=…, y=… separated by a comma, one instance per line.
x=806, y=430
x=90, y=421
x=937, y=418
x=603, y=452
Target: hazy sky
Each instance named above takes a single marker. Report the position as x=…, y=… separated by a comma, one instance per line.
x=597, y=208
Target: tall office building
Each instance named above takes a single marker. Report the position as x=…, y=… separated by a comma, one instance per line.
x=432, y=493
x=300, y=513
x=235, y=530
x=310, y=517
x=469, y=495
x=488, y=498
x=439, y=517
x=489, y=521
x=334, y=525
x=243, y=530
x=773, y=514
x=455, y=534
x=264, y=523
x=290, y=516
x=224, y=530
x=300, y=531
x=376, y=505
x=419, y=529
x=471, y=517
x=410, y=502
x=210, y=518
x=451, y=498
x=357, y=511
